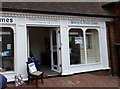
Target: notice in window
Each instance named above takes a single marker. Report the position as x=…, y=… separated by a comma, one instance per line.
x=78, y=40
x=0, y=38
x=8, y=46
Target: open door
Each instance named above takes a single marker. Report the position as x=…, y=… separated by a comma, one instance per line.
x=55, y=50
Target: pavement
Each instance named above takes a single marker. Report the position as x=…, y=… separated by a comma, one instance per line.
x=85, y=80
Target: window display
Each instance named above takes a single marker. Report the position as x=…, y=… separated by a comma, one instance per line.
x=92, y=43
x=6, y=49
x=76, y=46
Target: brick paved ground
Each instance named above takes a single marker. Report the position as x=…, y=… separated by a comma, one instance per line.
x=79, y=80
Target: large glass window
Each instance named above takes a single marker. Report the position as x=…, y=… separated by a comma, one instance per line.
x=6, y=49
x=92, y=44
x=76, y=46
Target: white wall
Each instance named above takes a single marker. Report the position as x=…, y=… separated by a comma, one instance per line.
x=65, y=47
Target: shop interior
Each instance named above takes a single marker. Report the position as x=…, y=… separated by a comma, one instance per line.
x=39, y=46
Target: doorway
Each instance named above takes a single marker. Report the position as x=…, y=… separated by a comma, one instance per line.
x=43, y=44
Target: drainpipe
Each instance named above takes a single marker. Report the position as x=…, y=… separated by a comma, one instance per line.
x=110, y=45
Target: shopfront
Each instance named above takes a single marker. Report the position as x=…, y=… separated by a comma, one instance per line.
x=72, y=44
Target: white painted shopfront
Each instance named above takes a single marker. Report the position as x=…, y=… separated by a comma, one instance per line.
x=75, y=44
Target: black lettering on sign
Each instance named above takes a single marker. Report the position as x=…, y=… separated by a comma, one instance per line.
x=6, y=20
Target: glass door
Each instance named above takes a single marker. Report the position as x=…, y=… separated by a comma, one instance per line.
x=55, y=50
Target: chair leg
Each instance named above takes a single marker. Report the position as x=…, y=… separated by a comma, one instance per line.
x=42, y=78
x=37, y=82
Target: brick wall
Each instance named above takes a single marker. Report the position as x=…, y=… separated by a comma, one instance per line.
x=114, y=36
x=111, y=30
x=117, y=31
x=117, y=23
x=111, y=46
x=117, y=37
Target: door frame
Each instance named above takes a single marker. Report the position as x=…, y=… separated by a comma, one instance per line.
x=51, y=28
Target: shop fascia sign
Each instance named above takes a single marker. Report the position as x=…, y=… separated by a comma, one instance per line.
x=6, y=20
x=42, y=21
x=82, y=22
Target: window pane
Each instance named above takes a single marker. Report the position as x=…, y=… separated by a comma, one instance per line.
x=54, y=44
x=92, y=44
x=7, y=49
x=76, y=46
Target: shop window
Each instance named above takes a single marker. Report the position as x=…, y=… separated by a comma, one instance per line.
x=92, y=45
x=76, y=46
x=6, y=49
x=89, y=40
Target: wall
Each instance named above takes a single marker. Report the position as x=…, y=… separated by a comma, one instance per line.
x=114, y=35
x=117, y=31
x=111, y=48
x=117, y=23
x=114, y=38
x=117, y=39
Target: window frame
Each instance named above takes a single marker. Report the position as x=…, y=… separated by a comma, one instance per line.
x=85, y=47
x=14, y=40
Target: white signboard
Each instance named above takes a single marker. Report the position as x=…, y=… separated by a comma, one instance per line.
x=82, y=22
x=32, y=67
x=42, y=21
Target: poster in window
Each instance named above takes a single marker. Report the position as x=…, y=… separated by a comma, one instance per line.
x=78, y=40
x=8, y=46
x=0, y=38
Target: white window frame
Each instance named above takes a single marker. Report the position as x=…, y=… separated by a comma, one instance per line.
x=84, y=29
x=15, y=66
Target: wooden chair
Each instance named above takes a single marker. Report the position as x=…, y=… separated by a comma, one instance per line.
x=34, y=75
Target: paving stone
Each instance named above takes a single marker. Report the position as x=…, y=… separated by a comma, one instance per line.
x=78, y=80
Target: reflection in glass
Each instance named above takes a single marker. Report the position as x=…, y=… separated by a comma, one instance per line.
x=54, y=43
x=6, y=49
x=76, y=46
x=92, y=44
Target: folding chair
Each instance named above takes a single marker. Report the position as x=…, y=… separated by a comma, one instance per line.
x=33, y=73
